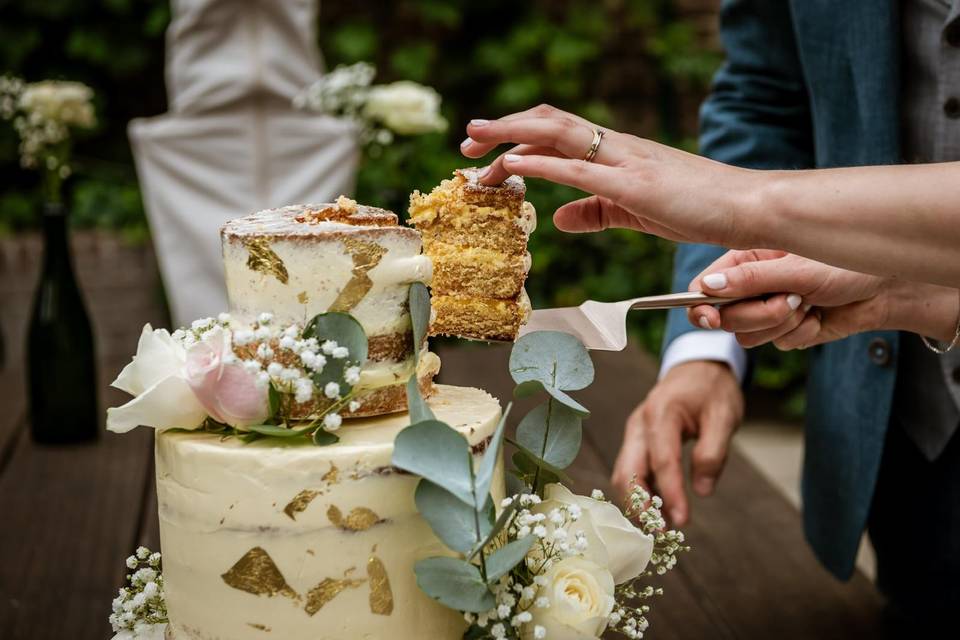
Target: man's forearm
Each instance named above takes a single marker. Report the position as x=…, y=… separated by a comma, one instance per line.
x=901, y=221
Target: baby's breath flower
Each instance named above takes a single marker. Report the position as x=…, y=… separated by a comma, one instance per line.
x=275, y=369
x=354, y=405
x=332, y=421
x=223, y=318
x=340, y=353
x=251, y=366
x=498, y=631
x=503, y=611
x=328, y=346
x=303, y=390
x=265, y=318
x=352, y=375
x=264, y=351
x=539, y=632
x=331, y=390
x=596, y=494
x=242, y=337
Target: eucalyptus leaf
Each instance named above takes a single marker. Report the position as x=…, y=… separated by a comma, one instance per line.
x=528, y=463
x=275, y=431
x=553, y=432
x=554, y=358
x=515, y=486
x=323, y=438
x=274, y=400
x=417, y=407
x=419, y=303
x=343, y=329
x=484, y=474
x=501, y=561
x=454, y=583
x=434, y=451
x=497, y=527
x=454, y=522
x=247, y=438
x=533, y=387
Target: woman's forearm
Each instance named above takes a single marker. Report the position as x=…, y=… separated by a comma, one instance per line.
x=926, y=309
x=901, y=221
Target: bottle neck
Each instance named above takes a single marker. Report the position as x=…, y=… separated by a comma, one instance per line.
x=55, y=246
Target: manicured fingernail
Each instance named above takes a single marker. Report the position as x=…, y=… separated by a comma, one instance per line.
x=807, y=307
x=479, y=122
x=704, y=486
x=466, y=143
x=511, y=157
x=793, y=301
x=676, y=515
x=715, y=281
x=705, y=323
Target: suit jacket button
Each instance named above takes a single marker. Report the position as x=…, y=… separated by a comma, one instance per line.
x=952, y=34
x=879, y=351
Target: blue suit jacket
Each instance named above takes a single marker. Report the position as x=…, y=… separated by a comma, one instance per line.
x=814, y=83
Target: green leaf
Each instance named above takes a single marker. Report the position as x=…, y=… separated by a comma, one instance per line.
x=346, y=332
x=501, y=561
x=495, y=530
x=454, y=522
x=484, y=474
x=533, y=387
x=274, y=398
x=433, y=450
x=253, y=436
x=276, y=431
x=454, y=583
x=527, y=462
x=419, y=303
x=553, y=432
x=417, y=407
x=323, y=438
x=554, y=358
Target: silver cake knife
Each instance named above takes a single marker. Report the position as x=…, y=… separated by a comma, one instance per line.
x=602, y=326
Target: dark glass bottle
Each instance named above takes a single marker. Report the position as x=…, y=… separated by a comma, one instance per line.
x=60, y=349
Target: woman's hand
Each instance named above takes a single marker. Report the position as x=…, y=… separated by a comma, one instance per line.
x=638, y=184
x=807, y=302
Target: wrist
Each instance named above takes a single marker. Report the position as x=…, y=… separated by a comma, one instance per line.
x=759, y=218
x=925, y=309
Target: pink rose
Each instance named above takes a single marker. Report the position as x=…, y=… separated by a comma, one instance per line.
x=230, y=394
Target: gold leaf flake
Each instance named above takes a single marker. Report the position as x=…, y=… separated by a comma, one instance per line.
x=381, y=597
x=259, y=627
x=327, y=590
x=256, y=573
x=332, y=476
x=359, y=519
x=264, y=259
x=303, y=298
x=300, y=502
x=365, y=256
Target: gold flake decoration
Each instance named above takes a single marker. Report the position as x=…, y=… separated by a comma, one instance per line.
x=359, y=519
x=300, y=503
x=365, y=256
x=256, y=573
x=381, y=597
x=327, y=590
x=259, y=627
x=303, y=298
x=332, y=476
x=264, y=259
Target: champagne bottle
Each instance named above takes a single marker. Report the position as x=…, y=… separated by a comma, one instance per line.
x=60, y=350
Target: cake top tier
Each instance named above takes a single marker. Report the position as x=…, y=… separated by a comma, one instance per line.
x=509, y=194
x=308, y=220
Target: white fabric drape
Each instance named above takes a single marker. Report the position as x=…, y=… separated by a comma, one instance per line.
x=231, y=143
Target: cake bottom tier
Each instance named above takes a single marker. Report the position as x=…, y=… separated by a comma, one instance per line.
x=293, y=541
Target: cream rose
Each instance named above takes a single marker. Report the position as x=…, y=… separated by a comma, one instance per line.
x=163, y=399
x=623, y=548
x=581, y=600
x=405, y=107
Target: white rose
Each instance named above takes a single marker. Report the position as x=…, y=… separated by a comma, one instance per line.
x=625, y=549
x=68, y=103
x=405, y=107
x=156, y=377
x=581, y=599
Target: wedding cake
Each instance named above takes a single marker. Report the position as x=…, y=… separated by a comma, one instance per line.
x=279, y=538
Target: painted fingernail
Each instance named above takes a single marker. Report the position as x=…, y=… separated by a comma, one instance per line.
x=511, y=157
x=793, y=301
x=705, y=323
x=704, y=486
x=715, y=281
x=807, y=307
x=479, y=122
x=676, y=515
x=466, y=143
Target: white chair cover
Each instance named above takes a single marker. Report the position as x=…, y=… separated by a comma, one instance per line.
x=231, y=142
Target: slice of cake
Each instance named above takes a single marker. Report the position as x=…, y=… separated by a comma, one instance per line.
x=476, y=236
x=302, y=260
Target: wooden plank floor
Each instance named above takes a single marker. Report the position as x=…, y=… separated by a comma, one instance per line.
x=70, y=515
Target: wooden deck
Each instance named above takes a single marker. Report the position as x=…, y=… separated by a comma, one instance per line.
x=70, y=515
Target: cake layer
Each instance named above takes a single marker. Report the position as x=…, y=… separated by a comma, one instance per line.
x=302, y=260
x=289, y=540
x=476, y=271
x=479, y=318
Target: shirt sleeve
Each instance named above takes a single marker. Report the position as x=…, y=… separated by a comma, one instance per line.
x=717, y=346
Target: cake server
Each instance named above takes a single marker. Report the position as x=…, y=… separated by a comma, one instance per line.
x=602, y=326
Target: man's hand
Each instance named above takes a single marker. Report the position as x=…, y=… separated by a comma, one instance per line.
x=700, y=400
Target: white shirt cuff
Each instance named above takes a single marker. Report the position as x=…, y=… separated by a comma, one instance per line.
x=718, y=346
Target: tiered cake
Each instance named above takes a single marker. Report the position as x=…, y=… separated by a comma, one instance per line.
x=283, y=539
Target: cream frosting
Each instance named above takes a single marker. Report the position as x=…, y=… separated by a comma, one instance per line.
x=239, y=522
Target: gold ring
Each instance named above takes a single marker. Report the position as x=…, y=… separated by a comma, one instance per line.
x=592, y=151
